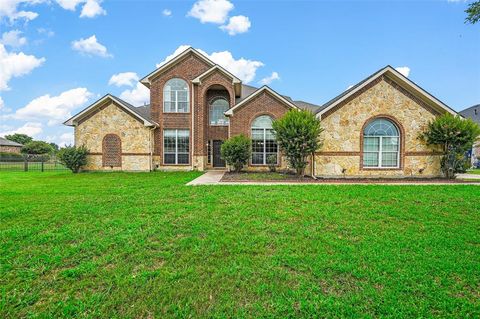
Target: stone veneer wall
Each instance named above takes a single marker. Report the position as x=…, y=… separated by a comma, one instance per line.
x=342, y=134
x=111, y=119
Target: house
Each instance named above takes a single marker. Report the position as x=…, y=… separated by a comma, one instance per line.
x=370, y=129
x=473, y=113
x=7, y=146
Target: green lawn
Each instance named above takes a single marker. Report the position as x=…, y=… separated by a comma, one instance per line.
x=474, y=171
x=119, y=245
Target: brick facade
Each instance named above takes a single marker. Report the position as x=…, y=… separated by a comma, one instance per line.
x=10, y=149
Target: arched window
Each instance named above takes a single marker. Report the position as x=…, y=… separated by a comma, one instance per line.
x=217, y=108
x=112, y=151
x=175, y=96
x=381, y=144
x=263, y=141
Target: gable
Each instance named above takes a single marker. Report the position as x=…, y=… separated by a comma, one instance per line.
x=261, y=93
x=402, y=83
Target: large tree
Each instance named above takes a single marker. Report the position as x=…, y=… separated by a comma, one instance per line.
x=19, y=138
x=455, y=136
x=473, y=12
x=297, y=134
x=37, y=148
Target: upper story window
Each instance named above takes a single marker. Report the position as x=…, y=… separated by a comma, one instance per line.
x=176, y=97
x=381, y=144
x=263, y=141
x=217, y=109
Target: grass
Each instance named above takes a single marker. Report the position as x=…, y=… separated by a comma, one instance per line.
x=260, y=176
x=475, y=171
x=143, y=245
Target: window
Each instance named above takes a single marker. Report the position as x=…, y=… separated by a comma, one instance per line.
x=263, y=140
x=176, y=146
x=381, y=144
x=175, y=96
x=217, y=109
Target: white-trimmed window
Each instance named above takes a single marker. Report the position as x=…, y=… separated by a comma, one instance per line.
x=176, y=147
x=381, y=144
x=217, y=109
x=263, y=140
x=176, y=97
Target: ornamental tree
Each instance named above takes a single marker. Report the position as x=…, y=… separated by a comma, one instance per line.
x=236, y=151
x=455, y=136
x=297, y=134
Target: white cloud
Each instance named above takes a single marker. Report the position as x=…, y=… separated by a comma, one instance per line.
x=213, y=11
x=405, y=70
x=47, y=32
x=269, y=79
x=92, y=9
x=9, y=9
x=243, y=68
x=167, y=12
x=90, y=46
x=55, y=109
x=2, y=104
x=137, y=96
x=70, y=4
x=15, y=65
x=62, y=140
x=236, y=25
x=349, y=87
x=29, y=128
x=125, y=78
x=13, y=38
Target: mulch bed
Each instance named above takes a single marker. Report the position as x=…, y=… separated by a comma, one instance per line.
x=291, y=178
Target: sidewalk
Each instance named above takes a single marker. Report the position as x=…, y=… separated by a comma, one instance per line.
x=214, y=177
x=468, y=176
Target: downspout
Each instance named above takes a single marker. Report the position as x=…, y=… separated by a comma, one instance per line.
x=193, y=123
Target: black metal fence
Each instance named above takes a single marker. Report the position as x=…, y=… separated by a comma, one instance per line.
x=30, y=163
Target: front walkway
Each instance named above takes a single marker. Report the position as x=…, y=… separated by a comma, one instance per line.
x=214, y=178
x=209, y=178
x=468, y=176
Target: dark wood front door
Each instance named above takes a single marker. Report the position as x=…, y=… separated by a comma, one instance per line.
x=218, y=161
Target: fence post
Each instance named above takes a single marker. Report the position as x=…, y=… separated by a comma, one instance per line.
x=25, y=165
x=42, y=164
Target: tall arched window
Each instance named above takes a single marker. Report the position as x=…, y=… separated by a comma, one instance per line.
x=175, y=96
x=217, y=109
x=381, y=144
x=112, y=151
x=263, y=141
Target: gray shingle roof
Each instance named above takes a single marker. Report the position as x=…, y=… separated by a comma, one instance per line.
x=472, y=112
x=5, y=142
x=248, y=90
x=142, y=111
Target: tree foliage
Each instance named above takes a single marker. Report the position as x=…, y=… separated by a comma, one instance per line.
x=473, y=12
x=297, y=135
x=74, y=158
x=236, y=151
x=455, y=136
x=37, y=148
x=23, y=139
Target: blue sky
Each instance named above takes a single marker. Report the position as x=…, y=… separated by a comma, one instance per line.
x=58, y=56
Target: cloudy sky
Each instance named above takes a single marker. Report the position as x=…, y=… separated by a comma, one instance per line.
x=58, y=56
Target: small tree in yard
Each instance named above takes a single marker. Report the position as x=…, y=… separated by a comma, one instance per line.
x=74, y=158
x=236, y=151
x=297, y=135
x=37, y=148
x=455, y=136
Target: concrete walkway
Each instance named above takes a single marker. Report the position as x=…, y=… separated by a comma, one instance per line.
x=214, y=177
x=468, y=176
x=209, y=178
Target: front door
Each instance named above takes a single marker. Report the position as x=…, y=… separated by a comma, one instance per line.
x=218, y=161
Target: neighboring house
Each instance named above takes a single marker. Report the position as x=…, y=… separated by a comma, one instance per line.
x=7, y=146
x=473, y=112
x=371, y=129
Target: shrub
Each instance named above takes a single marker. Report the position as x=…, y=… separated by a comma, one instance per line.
x=37, y=148
x=236, y=151
x=272, y=162
x=297, y=135
x=11, y=156
x=74, y=158
x=455, y=136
